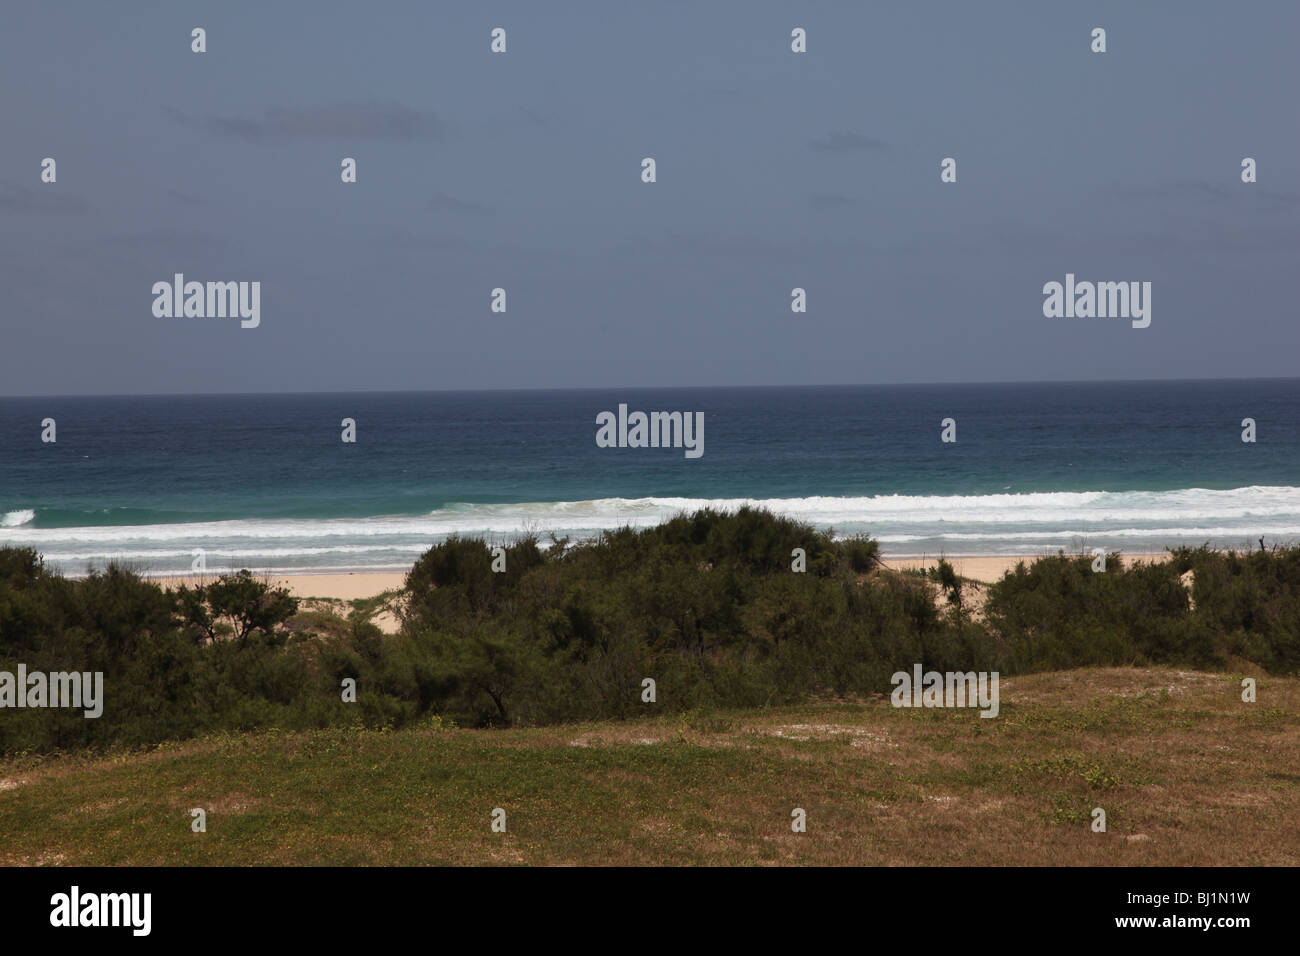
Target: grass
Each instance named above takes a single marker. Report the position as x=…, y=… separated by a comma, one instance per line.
x=1186, y=772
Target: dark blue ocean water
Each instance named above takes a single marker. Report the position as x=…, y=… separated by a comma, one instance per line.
x=265, y=481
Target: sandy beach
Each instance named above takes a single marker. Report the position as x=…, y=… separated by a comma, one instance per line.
x=351, y=585
x=330, y=592
x=986, y=569
x=342, y=586
x=337, y=586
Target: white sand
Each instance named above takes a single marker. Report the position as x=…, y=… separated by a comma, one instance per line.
x=990, y=569
x=350, y=585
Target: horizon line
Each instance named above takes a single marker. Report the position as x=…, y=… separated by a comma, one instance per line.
x=606, y=388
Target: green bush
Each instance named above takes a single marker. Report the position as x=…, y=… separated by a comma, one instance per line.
x=706, y=604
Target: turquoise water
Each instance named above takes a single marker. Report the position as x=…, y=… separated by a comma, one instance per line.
x=265, y=481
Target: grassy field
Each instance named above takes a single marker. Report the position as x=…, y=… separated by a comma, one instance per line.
x=1186, y=772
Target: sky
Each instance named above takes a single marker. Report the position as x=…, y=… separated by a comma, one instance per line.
x=523, y=171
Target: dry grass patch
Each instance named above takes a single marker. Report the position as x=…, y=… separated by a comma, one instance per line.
x=1186, y=772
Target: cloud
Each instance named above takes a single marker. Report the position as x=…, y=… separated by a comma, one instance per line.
x=375, y=121
x=847, y=143
x=45, y=199
x=452, y=204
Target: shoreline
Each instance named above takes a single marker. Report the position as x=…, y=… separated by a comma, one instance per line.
x=345, y=585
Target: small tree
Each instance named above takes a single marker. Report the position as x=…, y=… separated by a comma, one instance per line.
x=248, y=607
x=950, y=582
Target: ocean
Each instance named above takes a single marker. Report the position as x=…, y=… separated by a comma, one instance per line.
x=265, y=482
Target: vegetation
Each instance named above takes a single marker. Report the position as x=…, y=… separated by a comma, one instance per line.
x=1059, y=613
x=1188, y=776
x=708, y=605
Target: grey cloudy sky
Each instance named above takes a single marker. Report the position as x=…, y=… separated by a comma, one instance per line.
x=522, y=170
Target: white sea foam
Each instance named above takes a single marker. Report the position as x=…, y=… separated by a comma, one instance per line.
x=904, y=524
x=12, y=519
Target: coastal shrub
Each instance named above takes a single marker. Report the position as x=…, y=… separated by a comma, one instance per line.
x=1248, y=602
x=1057, y=612
x=237, y=604
x=163, y=679
x=456, y=578
x=706, y=604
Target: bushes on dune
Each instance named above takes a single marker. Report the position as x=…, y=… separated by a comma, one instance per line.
x=1057, y=612
x=1248, y=602
x=235, y=605
x=174, y=664
x=707, y=605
